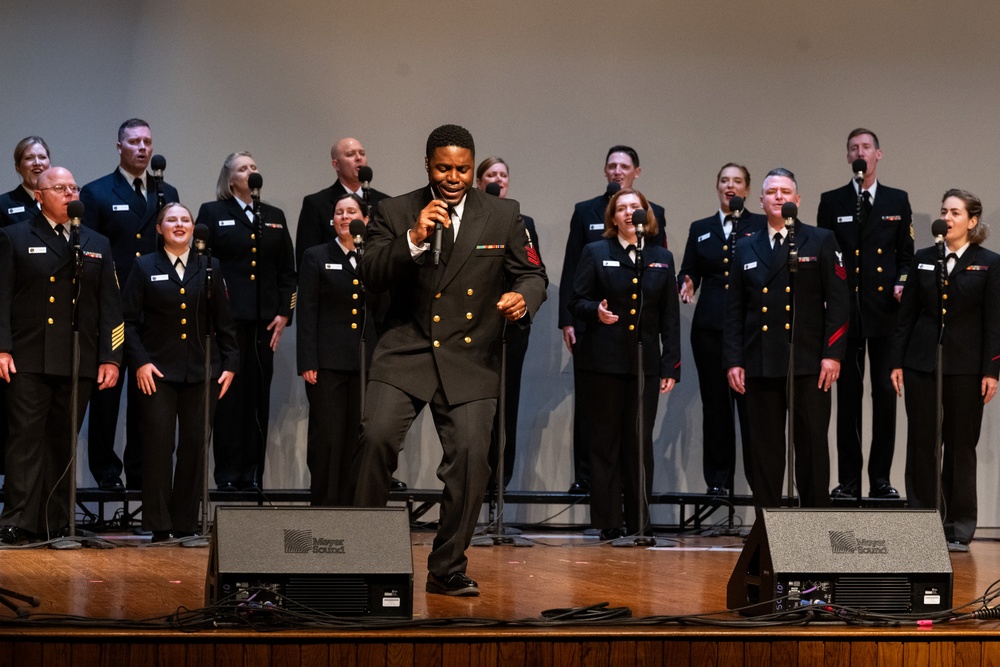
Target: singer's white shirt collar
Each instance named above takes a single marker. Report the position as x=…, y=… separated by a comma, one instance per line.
x=772, y=232
x=872, y=189
x=349, y=191
x=960, y=251
x=243, y=204
x=57, y=227
x=131, y=178
x=173, y=258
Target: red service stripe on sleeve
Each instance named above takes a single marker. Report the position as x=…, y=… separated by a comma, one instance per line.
x=837, y=335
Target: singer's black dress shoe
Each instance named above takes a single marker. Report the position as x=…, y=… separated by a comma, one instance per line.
x=455, y=583
x=609, y=534
x=397, y=485
x=884, y=491
x=717, y=491
x=15, y=536
x=162, y=536
x=580, y=486
x=111, y=484
x=227, y=486
x=844, y=491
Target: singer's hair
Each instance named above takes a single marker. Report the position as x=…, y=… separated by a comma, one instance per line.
x=746, y=172
x=450, y=135
x=611, y=229
x=362, y=206
x=780, y=171
x=128, y=125
x=24, y=144
x=621, y=148
x=489, y=162
x=857, y=132
x=169, y=205
x=974, y=208
x=222, y=188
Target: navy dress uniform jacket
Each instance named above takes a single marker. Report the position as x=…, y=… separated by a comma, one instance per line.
x=16, y=206
x=316, y=217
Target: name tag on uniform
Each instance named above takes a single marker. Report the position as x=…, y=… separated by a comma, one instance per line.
x=40, y=250
x=334, y=267
x=226, y=223
x=751, y=265
x=612, y=262
x=595, y=226
x=845, y=218
x=925, y=267
x=704, y=236
x=158, y=277
x=16, y=209
x=119, y=207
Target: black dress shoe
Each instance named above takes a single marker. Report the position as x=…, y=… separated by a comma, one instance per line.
x=884, y=491
x=162, y=536
x=717, y=491
x=609, y=534
x=454, y=584
x=14, y=535
x=844, y=492
x=250, y=485
x=397, y=485
x=580, y=486
x=227, y=486
x=111, y=484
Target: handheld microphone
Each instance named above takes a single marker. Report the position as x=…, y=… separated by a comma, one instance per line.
x=736, y=205
x=438, y=231
x=613, y=187
x=201, y=236
x=158, y=163
x=859, y=167
x=639, y=219
x=255, y=181
x=493, y=189
x=358, y=231
x=788, y=211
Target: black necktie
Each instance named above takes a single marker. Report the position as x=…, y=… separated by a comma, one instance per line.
x=352, y=257
x=866, y=204
x=630, y=251
x=63, y=232
x=137, y=184
x=947, y=260
x=179, y=268
x=447, y=241
x=777, y=243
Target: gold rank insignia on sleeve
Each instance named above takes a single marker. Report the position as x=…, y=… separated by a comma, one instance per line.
x=118, y=336
x=912, y=236
x=295, y=296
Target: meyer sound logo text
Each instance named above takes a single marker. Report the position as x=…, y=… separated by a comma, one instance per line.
x=846, y=542
x=303, y=542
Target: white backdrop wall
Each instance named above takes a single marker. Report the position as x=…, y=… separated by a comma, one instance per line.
x=547, y=85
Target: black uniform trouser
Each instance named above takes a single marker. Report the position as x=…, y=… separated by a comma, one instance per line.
x=718, y=413
x=334, y=436
x=517, y=348
x=850, y=398
x=767, y=400
x=102, y=428
x=960, y=429
x=37, y=484
x=615, y=487
x=464, y=467
x=241, y=417
x=171, y=495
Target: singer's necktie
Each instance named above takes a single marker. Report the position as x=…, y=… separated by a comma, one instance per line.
x=950, y=262
x=141, y=207
x=630, y=250
x=352, y=257
x=727, y=226
x=179, y=268
x=137, y=185
x=777, y=243
x=866, y=204
x=249, y=211
x=447, y=241
x=64, y=234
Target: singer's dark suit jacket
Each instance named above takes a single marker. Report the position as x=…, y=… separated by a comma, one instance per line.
x=708, y=262
x=246, y=260
x=159, y=331
x=17, y=206
x=587, y=226
x=972, y=321
x=755, y=329
x=316, y=217
x=36, y=301
x=112, y=208
x=458, y=351
x=885, y=243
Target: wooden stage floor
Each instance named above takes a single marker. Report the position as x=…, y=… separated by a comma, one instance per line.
x=563, y=570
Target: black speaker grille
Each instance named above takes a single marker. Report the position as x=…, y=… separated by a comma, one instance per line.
x=879, y=594
x=333, y=595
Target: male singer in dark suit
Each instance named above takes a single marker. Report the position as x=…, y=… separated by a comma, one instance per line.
x=877, y=254
x=441, y=343
x=764, y=301
x=122, y=207
x=316, y=217
x=621, y=167
x=37, y=276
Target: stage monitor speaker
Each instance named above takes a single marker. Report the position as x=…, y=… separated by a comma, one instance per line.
x=340, y=561
x=882, y=561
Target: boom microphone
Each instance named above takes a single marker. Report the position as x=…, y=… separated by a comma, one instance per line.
x=493, y=189
x=859, y=167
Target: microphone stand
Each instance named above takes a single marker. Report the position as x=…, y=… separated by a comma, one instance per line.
x=942, y=267
x=74, y=409
x=359, y=248
x=731, y=528
x=859, y=209
x=161, y=198
x=258, y=223
x=206, y=425
x=640, y=539
x=793, y=267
